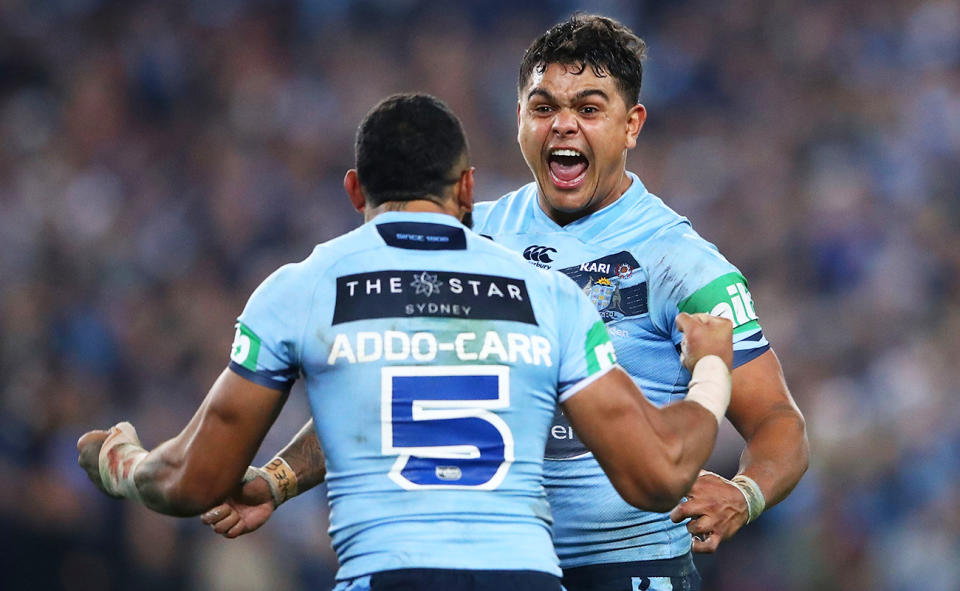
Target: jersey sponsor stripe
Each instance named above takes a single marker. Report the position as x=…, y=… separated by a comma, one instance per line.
x=437, y=294
x=599, y=349
x=726, y=296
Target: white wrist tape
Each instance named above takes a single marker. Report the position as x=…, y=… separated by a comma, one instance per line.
x=751, y=491
x=710, y=385
x=119, y=458
x=280, y=477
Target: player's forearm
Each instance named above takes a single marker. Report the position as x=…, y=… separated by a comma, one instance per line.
x=297, y=468
x=688, y=432
x=688, y=429
x=305, y=456
x=666, y=458
x=777, y=454
x=168, y=484
x=652, y=456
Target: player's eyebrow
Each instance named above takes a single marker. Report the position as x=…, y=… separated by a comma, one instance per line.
x=590, y=92
x=541, y=92
x=576, y=98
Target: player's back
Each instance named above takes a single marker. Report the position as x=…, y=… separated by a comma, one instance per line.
x=433, y=359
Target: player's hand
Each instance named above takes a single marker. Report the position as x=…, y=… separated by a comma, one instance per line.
x=88, y=447
x=243, y=512
x=704, y=335
x=716, y=509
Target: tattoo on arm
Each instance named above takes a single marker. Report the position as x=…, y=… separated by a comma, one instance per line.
x=306, y=457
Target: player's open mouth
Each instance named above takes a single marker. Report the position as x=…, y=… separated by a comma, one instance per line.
x=568, y=167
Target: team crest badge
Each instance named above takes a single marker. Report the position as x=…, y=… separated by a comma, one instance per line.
x=604, y=293
x=614, y=284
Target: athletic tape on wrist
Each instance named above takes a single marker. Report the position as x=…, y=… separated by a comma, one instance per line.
x=752, y=493
x=280, y=477
x=120, y=456
x=710, y=385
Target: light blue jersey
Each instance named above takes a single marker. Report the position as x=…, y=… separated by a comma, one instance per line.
x=433, y=359
x=640, y=264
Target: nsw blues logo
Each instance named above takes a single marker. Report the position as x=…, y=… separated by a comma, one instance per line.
x=605, y=293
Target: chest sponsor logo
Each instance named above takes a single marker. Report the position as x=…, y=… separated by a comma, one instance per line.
x=612, y=285
x=562, y=444
x=539, y=255
x=422, y=293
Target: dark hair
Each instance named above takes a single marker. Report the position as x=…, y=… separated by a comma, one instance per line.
x=407, y=148
x=607, y=46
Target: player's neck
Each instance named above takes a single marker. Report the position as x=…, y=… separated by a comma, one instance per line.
x=562, y=218
x=415, y=206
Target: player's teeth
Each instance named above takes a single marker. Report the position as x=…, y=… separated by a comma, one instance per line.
x=565, y=153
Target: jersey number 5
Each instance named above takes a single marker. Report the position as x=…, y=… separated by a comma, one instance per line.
x=438, y=420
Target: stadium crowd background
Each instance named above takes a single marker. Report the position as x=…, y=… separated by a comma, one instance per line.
x=159, y=159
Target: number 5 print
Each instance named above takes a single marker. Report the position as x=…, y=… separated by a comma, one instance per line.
x=438, y=420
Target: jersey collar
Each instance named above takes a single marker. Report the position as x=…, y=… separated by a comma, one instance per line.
x=421, y=230
x=417, y=216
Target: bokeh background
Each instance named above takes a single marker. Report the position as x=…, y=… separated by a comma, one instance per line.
x=159, y=159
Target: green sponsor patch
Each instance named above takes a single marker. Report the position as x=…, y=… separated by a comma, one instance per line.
x=599, y=349
x=726, y=296
x=246, y=347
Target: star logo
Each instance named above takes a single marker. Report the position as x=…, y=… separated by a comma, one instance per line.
x=426, y=284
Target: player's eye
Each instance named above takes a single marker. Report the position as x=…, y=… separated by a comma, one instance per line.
x=589, y=110
x=542, y=109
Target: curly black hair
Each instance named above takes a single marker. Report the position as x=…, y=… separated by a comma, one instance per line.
x=605, y=45
x=407, y=148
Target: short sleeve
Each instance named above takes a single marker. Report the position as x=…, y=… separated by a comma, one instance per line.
x=586, y=352
x=728, y=296
x=692, y=276
x=267, y=341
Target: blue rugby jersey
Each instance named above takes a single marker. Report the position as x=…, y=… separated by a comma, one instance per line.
x=641, y=264
x=433, y=359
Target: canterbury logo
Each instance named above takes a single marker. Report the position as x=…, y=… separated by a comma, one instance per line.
x=540, y=254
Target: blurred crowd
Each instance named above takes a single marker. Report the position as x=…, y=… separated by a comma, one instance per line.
x=159, y=159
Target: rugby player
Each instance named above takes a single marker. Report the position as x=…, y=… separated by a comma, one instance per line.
x=434, y=360
x=640, y=263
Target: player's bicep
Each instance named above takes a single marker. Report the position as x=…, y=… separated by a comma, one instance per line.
x=758, y=392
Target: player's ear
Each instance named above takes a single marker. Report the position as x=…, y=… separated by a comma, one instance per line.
x=636, y=116
x=351, y=184
x=464, y=190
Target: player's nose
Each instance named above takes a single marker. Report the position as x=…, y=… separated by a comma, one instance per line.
x=565, y=123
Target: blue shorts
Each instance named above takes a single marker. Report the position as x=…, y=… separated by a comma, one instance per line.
x=430, y=579
x=672, y=574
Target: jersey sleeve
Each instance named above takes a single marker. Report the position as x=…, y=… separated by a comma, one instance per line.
x=586, y=352
x=694, y=277
x=267, y=343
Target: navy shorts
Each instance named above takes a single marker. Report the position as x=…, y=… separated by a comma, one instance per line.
x=431, y=579
x=672, y=574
